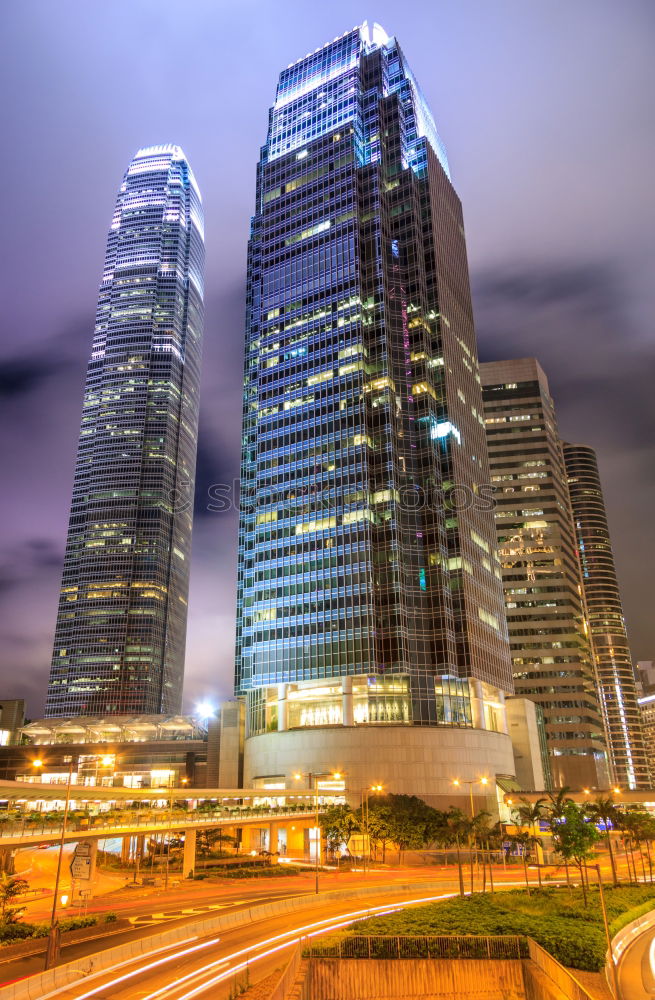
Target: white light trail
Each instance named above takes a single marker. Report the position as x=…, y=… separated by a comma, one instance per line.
x=135, y=972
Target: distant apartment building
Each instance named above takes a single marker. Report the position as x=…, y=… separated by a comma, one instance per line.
x=551, y=655
x=609, y=638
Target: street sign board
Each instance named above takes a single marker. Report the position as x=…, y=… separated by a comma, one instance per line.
x=80, y=867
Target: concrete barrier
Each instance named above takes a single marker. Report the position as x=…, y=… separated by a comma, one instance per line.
x=46, y=984
x=623, y=939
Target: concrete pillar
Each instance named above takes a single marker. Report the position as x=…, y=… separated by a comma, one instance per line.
x=272, y=837
x=189, y=857
x=93, y=844
x=348, y=717
x=282, y=706
x=295, y=840
x=503, y=713
x=125, y=849
x=477, y=703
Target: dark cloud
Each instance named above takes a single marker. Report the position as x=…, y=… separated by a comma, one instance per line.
x=21, y=376
x=577, y=320
x=547, y=114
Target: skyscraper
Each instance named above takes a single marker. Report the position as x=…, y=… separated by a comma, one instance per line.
x=121, y=624
x=371, y=626
x=551, y=655
x=609, y=638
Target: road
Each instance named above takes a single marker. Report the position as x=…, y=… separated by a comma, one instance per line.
x=150, y=910
x=39, y=867
x=211, y=966
x=637, y=968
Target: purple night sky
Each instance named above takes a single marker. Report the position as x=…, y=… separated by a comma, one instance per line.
x=546, y=110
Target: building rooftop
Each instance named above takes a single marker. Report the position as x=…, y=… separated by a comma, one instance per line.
x=113, y=729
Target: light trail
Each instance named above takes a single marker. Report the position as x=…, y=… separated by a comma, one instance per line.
x=301, y=932
x=135, y=972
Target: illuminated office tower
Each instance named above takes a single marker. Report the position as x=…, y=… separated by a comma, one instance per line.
x=551, y=655
x=371, y=626
x=121, y=625
x=609, y=638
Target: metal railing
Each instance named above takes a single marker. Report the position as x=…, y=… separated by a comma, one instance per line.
x=142, y=818
x=416, y=946
x=561, y=976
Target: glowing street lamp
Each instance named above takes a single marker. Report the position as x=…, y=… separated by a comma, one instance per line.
x=473, y=781
x=53, y=947
x=365, y=794
x=310, y=775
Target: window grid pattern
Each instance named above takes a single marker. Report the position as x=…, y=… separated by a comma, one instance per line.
x=362, y=404
x=121, y=624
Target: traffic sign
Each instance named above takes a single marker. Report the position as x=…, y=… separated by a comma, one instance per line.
x=80, y=867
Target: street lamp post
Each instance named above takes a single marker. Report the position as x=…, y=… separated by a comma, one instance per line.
x=615, y=972
x=365, y=794
x=470, y=782
x=313, y=777
x=473, y=781
x=53, y=947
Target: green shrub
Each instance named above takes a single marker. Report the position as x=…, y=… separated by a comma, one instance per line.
x=110, y=918
x=555, y=918
x=15, y=932
x=69, y=924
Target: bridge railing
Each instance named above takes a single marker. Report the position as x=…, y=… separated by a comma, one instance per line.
x=419, y=946
x=163, y=819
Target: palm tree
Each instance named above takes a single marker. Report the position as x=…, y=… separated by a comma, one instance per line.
x=456, y=824
x=554, y=812
x=623, y=825
x=523, y=841
x=603, y=810
x=531, y=815
x=636, y=822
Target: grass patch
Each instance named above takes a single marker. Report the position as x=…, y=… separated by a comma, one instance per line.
x=556, y=918
x=274, y=871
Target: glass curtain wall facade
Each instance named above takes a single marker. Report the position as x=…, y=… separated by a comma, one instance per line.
x=609, y=637
x=552, y=658
x=369, y=585
x=121, y=625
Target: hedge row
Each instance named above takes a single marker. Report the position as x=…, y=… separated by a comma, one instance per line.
x=10, y=932
x=556, y=918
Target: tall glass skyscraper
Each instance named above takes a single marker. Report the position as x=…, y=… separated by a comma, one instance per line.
x=370, y=607
x=121, y=626
x=609, y=638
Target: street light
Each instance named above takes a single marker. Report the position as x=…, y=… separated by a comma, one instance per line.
x=473, y=781
x=314, y=776
x=365, y=794
x=53, y=947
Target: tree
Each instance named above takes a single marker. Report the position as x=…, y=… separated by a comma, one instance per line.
x=380, y=827
x=603, y=810
x=636, y=823
x=457, y=824
x=338, y=823
x=574, y=839
x=411, y=821
x=553, y=813
x=524, y=841
x=210, y=837
x=11, y=887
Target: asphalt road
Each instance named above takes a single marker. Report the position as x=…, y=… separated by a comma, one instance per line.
x=211, y=966
x=637, y=968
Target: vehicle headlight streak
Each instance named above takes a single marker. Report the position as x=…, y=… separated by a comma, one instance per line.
x=300, y=932
x=136, y=972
